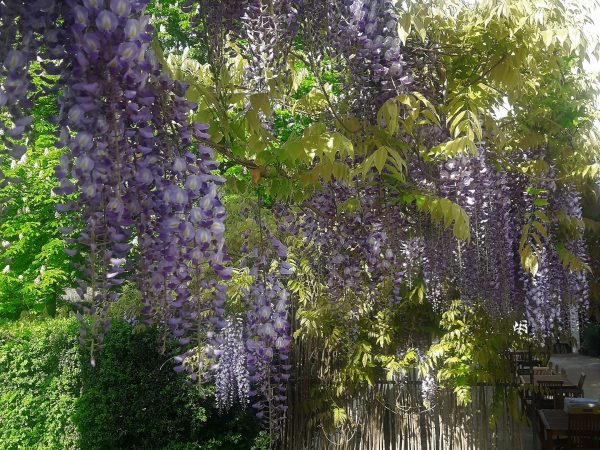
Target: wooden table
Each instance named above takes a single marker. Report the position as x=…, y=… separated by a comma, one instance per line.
x=554, y=423
x=526, y=379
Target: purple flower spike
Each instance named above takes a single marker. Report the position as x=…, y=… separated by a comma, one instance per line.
x=85, y=163
x=128, y=51
x=179, y=165
x=75, y=115
x=89, y=190
x=83, y=140
x=91, y=42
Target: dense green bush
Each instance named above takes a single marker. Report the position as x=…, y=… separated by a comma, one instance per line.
x=39, y=382
x=133, y=399
x=590, y=340
x=52, y=398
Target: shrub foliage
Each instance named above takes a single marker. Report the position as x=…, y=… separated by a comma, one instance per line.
x=52, y=398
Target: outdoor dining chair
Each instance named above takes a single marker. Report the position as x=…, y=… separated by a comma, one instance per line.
x=543, y=394
x=581, y=381
x=561, y=392
x=542, y=371
x=584, y=432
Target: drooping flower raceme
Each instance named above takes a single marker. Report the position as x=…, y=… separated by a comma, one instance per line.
x=132, y=157
x=256, y=369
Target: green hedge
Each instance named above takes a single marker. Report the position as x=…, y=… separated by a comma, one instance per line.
x=590, y=340
x=39, y=383
x=52, y=398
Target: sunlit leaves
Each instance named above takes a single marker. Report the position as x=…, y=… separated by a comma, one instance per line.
x=387, y=116
x=327, y=150
x=444, y=212
x=534, y=234
x=454, y=148
x=571, y=261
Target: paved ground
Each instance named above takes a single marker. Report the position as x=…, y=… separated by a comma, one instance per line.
x=574, y=364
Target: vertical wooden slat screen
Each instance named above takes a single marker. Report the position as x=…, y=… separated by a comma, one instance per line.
x=391, y=416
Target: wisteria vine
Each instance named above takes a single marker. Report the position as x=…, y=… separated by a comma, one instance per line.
x=148, y=196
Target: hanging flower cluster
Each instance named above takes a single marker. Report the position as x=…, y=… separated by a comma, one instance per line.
x=231, y=376
x=556, y=289
x=568, y=202
x=131, y=156
x=268, y=344
x=372, y=27
x=355, y=233
x=259, y=374
x=487, y=269
x=358, y=38
x=24, y=27
x=367, y=242
x=149, y=201
x=269, y=28
x=487, y=263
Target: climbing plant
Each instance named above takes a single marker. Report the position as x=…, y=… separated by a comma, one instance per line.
x=379, y=177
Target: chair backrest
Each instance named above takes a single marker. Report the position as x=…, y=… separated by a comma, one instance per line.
x=520, y=355
x=584, y=431
x=544, y=393
x=524, y=358
x=542, y=371
x=562, y=392
x=545, y=358
x=549, y=384
x=581, y=380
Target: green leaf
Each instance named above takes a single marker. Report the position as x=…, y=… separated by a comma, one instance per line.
x=380, y=157
x=547, y=37
x=260, y=102
x=339, y=416
x=341, y=144
x=404, y=25
x=388, y=114
x=540, y=228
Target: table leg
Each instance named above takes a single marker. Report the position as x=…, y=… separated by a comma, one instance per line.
x=545, y=441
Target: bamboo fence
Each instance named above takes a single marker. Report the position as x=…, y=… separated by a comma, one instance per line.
x=394, y=416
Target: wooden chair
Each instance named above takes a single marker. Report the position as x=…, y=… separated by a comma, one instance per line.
x=520, y=363
x=581, y=381
x=562, y=392
x=541, y=371
x=524, y=367
x=543, y=394
x=545, y=358
x=584, y=432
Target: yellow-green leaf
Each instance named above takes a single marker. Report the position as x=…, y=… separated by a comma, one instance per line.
x=380, y=157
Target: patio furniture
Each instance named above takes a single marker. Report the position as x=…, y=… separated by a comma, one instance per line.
x=522, y=361
x=581, y=381
x=577, y=405
x=562, y=431
x=561, y=392
x=555, y=378
x=544, y=394
x=583, y=431
x=554, y=424
x=524, y=367
x=532, y=396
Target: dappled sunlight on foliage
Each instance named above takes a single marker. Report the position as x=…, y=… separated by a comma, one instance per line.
x=361, y=193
